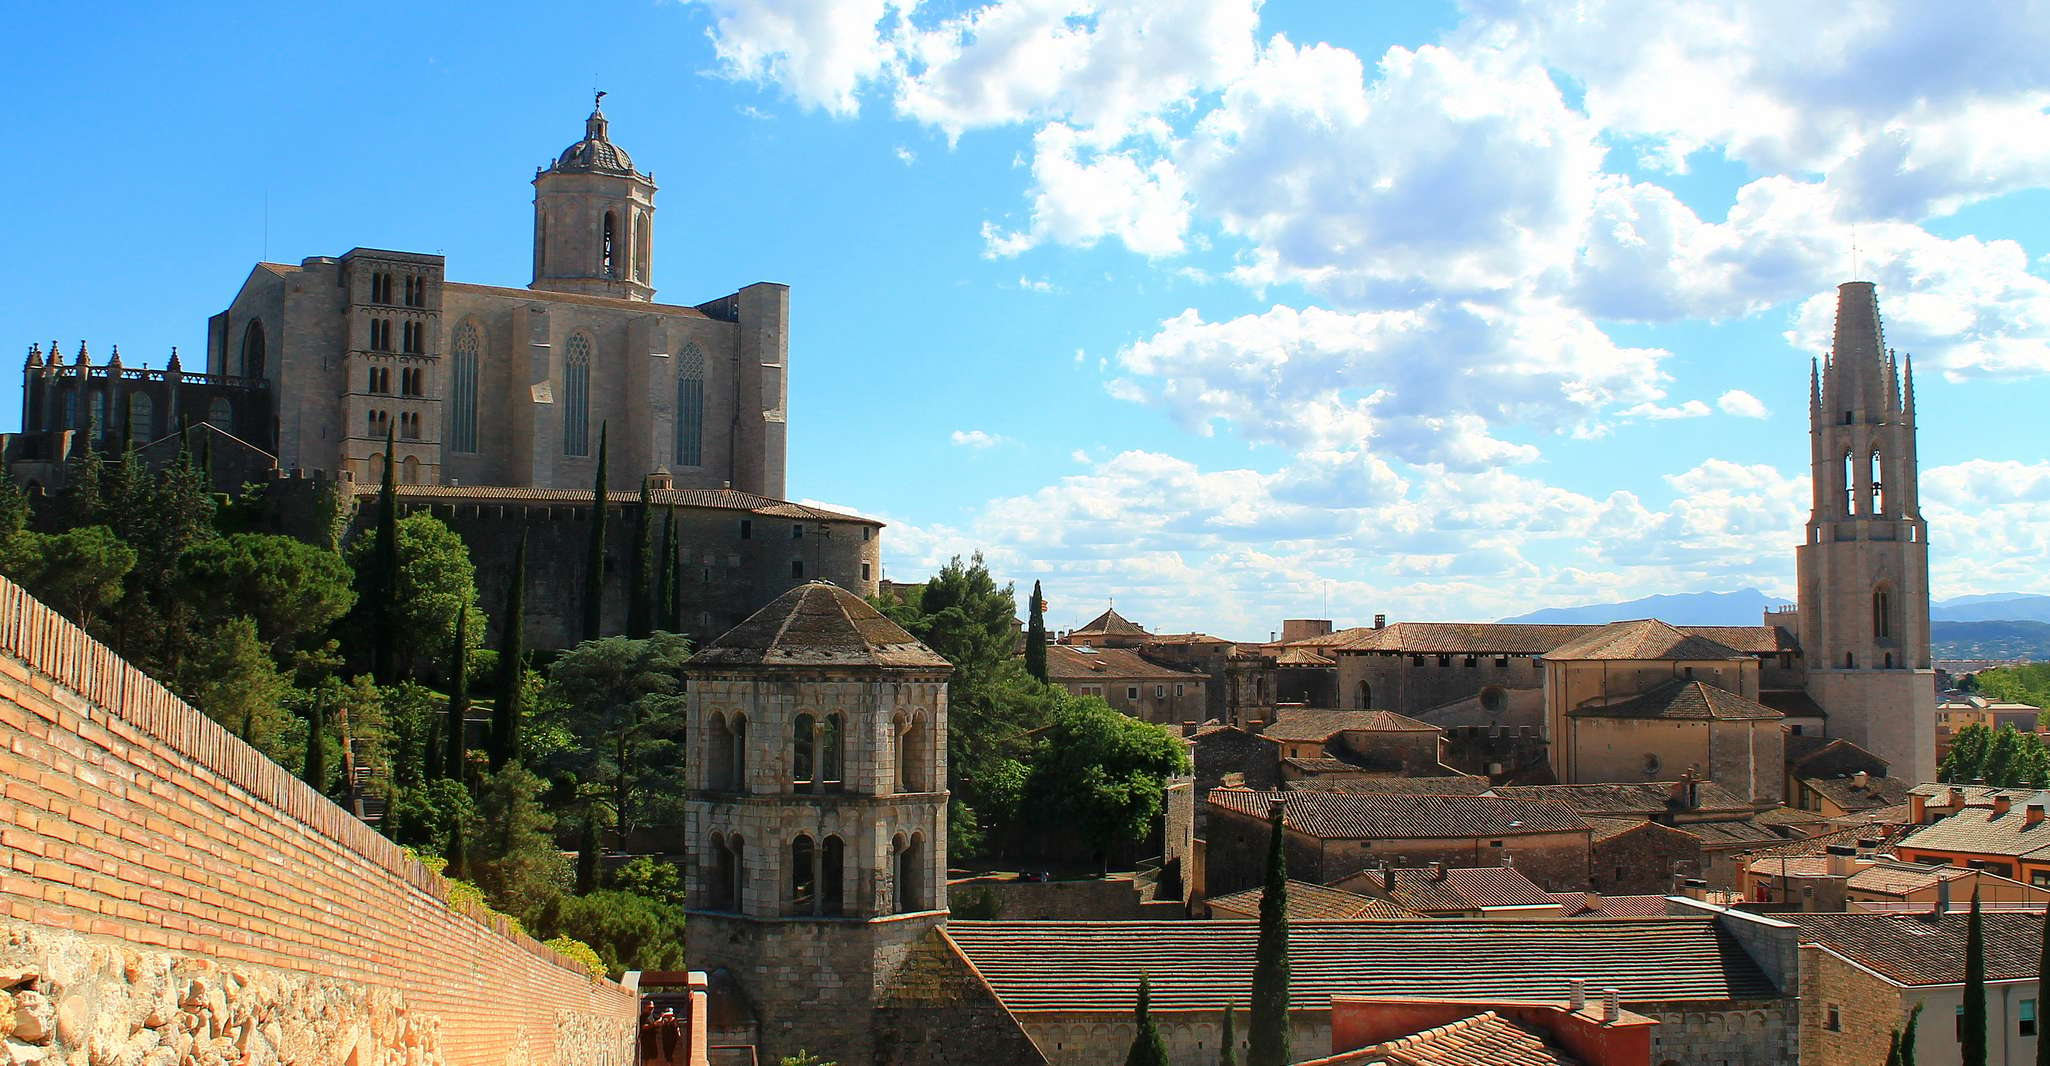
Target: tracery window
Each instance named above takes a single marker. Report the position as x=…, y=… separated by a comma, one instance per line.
x=462, y=434
x=690, y=407
x=141, y=420
x=576, y=397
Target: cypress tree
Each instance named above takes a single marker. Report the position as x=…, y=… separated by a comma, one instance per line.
x=587, y=855
x=671, y=605
x=640, y=607
x=315, y=771
x=1269, y=1036
x=1148, y=1049
x=1908, y=1036
x=430, y=756
x=1229, y=1055
x=1893, y=1048
x=1035, y=636
x=594, y=564
x=384, y=573
x=83, y=498
x=1972, y=1043
x=505, y=714
x=2043, y=982
x=458, y=855
x=454, y=751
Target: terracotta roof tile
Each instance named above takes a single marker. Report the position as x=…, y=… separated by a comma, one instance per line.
x=1460, y=889
x=1576, y=904
x=1114, y=624
x=1979, y=831
x=1461, y=785
x=1925, y=948
x=1473, y=638
x=1845, y=792
x=1486, y=1039
x=817, y=624
x=1066, y=662
x=1901, y=878
x=1344, y=816
x=1644, y=639
x=1293, y=655
x=1095, y=966
x=1306, y=900
x=1755, y=640
x=1683, y=699
x=716, y=499
x=1627, y=797
x=1306, y=725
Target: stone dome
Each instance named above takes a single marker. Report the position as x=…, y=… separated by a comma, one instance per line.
x=595, y=153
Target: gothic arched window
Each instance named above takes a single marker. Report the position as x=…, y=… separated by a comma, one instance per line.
x=804, y=876
x=576, y=397
x=1875, y=485
x=98, y=418
x=690, y=407
x=220, y=414
x=830, y=742
x=803, y=748
x=643, y=244
x=462, y=419
x=253, y=353
x=141, y=418
x=605, y=263
x=1882, y=613
x=1850, y=486
x=1366, y=695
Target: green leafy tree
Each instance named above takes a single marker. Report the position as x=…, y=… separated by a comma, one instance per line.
x=640, y=601
x=232, y=678
x=514, y=859
x=455, y=732
x=628, y=931
x=1972, y=1037
x=507, y=710
x=1148, y=1049
x=805, y=1058
x=645, y=875
x=292, y=590
x=1035, y=636
x=622, y=699
x=1270, y=1037
x=2028, y=683
x=435, y=579
x=82, y=503
x=594, y=561
x=79, y=572
x=1100, y=774
x=2005, y=758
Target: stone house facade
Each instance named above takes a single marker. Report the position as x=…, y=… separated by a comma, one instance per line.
x=1129, y=682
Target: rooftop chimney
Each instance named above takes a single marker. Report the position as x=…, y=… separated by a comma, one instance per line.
x=1612, y=1006
x=1861, y=779
x=1942, y=898
x=1842, y=857
x=2001, y=803
x=1578, y=997
x=1380, y=621
x=1437, y=870
x=2032, y=814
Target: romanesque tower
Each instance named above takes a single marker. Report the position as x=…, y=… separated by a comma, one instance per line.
x=1864, y=565
x=594, y=219
x=817, y=818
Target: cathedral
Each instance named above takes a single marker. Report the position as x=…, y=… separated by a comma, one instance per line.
x=318, y=363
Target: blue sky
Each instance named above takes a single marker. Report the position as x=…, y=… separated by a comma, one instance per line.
x=1217, y=307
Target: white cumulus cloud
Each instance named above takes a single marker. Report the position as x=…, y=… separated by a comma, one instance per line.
x=1741, y=404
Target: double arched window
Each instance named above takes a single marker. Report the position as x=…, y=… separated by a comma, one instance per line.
x=815, y=753
x=817, y=877
x=690, y=407
x=726, y=754
x=909, y=852
x=462, y=415
x=576, y=397
x=727, y=883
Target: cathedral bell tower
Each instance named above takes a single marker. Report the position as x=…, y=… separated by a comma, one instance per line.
x=1864, y=565
x=594, y=219
x=816, y=821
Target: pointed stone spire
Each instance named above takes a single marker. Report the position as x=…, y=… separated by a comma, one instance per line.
x=1893, y=383
x=1814, y=386
x=115, y=360
x=1908, y=390
x=1857, y=354
x=172, y=366
x=35, y=355
x=83, y=358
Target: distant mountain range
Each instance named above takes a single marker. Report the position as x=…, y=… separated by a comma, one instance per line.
x=2001, y=625
x=1744, y=607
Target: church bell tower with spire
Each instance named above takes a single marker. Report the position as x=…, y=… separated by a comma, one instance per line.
x=594, y=219
x=1864, y=564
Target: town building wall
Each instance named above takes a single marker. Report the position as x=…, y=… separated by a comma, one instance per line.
x=1412, y=684
x=1236, y=857
x=1643, y=861
x=148, y=842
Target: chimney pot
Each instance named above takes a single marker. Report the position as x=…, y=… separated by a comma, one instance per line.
x=2001, y=804
x=1578, y=998
x=1942, y=897
x=1612, y=1006
x=1861, y=779
x=2032, y=814
x=1380, y=621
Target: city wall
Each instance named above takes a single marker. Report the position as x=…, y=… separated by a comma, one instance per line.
x=168, y=894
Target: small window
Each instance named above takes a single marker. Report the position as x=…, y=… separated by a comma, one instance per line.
x=864, y=571
x=1836, y=1021
x=797, y=568
x=1160, y=692
x=797, y=531
x=1444, y=661
x=2027, y=1016
x=1416, y=660
x=1501, y=662
x=1472, y=662
x=1131, y=692
x=1689, y=671
x=1960, y=1015
x=867, y=532
x=747, y=529
x=1795, y=729
x=1178, y=688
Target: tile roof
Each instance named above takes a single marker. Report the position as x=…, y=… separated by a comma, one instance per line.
x=1184, y=638
x=1845, y=792
x=1346, y=816
x=1067, y=662
x=1323, y=765
x=1895, y=878
x=1793, y=703
x=1609, y=828
x=1793, y=816
x=548, y=296
x=1819, y=843
x=1461, y=889
x=1735, y=833
x=1111, y=622
x=1627, y=797
x=1486, y=1039
x=817, y=624
x=1461, y=785
x=714, y=499
x=1577, y=905
x=1754, y=640
x=1095, y=966
x=1925, y=948
x=1683, y=699
x=1300, y=656
x=1644, y=639
x=1421, y=638
x=1307, y=725
x=1306, y=900
x=1979, y=831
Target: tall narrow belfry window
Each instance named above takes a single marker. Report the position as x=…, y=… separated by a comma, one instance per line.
x=606, y=261
x=803, y=750
x=1850, y=486
x=832, y=877
x=576, y=397
x=1882, y=613
x=803, y=876
x=690, y=407
x=643, y=244
x=1878, y=488
x=462, y=425
x=253, y=354
x=830, y=743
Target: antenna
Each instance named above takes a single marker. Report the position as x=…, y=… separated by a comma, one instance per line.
x=1856, y=275
x=266, y=224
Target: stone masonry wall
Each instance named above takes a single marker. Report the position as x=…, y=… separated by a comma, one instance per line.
x=134, y=828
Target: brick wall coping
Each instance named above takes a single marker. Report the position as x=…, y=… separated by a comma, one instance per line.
x=51, y=645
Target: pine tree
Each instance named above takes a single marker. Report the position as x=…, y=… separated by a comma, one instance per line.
x=640, y=607
x=384, y=578
x=1269, y=1036
x=669, y=604
x=1035, y=636
x=1229, y=1055
x=315, y=771
x=84, y=500
x=1148, y=1049
x=505, y=715
x=594, y=564
x=1972, y=1042
x=454, y=745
